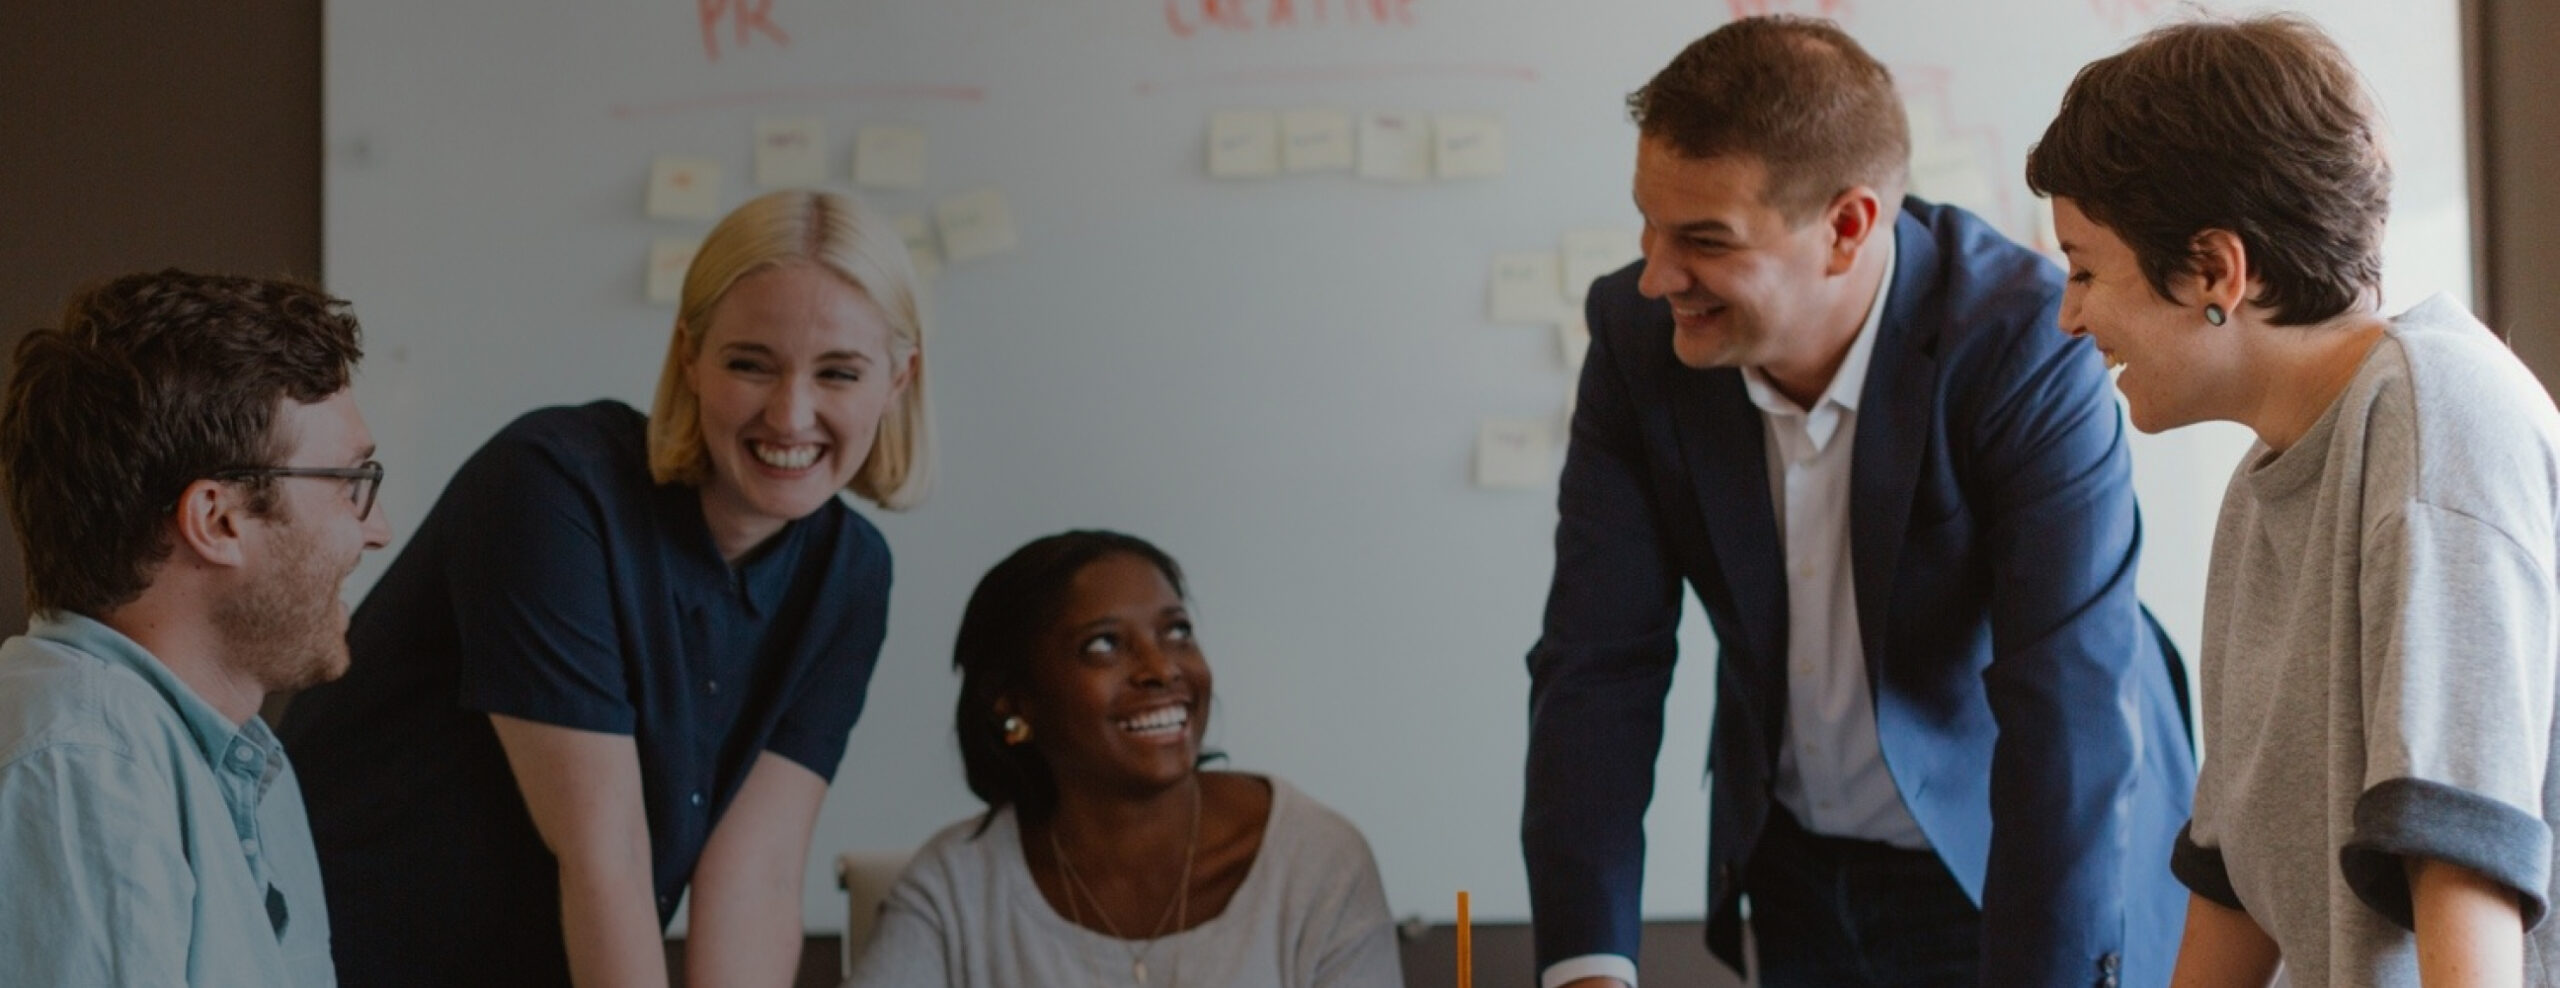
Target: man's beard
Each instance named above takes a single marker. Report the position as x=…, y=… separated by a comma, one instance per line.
x=283, y=624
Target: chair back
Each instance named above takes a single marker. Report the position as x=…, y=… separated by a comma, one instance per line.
x=866, y=877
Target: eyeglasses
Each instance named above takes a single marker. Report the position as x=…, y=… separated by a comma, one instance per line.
x=367, y=478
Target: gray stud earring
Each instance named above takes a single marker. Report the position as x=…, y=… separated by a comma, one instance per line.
x=2214, y=314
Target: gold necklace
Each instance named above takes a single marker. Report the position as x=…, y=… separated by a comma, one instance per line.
x=1178, y=911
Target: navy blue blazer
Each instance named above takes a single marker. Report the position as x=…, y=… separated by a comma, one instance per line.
x=2029, y=708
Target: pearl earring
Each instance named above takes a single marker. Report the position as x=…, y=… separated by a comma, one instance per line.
x=2213, y=314
x=1016, y=730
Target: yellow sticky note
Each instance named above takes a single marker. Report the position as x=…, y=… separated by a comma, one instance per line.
x=1573, y=340
x=1589, y=254
x=976, y=225
x=1315, y=141
x=889, y=157
x=684, y=188
x=918, y=233
x=1467, y=145
x=790, y=151
x=1244, y=144
x=669, y=258
x=1526, y=288
x=1395, y=147
x=1513, y=454
x=1955, y=177
x=1944, y=166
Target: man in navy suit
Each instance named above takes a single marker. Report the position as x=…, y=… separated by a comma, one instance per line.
x=1949, y=743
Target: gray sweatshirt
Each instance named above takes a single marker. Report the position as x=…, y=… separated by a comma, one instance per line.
x=2381, y=647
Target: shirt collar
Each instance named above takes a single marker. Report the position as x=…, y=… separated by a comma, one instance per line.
x=249, y=747
x=763, y=575
x=1850, y=381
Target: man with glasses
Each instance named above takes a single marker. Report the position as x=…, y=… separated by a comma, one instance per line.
x=191, y=483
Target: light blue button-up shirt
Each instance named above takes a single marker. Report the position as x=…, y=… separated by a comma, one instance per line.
x=144, y=838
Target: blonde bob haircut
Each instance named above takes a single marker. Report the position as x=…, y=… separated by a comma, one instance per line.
x=840, y=235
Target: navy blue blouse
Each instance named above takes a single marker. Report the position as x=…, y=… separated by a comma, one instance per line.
x=556, y=582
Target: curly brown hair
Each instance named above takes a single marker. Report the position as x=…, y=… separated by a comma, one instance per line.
x=1795, y=92
x=152, y=382
x=2259, y=127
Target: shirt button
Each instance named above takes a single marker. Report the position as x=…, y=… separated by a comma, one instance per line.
x=697, y=798
x=711, y=686
x=249, y=847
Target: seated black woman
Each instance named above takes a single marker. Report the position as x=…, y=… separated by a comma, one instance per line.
x=1106, y=856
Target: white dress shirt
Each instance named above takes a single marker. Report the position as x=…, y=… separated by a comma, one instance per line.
x=1831, y=771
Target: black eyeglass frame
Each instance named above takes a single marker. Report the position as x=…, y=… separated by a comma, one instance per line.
x=368, y=476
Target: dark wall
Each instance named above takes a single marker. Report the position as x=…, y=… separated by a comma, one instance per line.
x=2518, y=206
x=150, y=134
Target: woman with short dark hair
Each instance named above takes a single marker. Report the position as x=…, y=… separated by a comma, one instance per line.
x=1105, y=855
x=2380, y=645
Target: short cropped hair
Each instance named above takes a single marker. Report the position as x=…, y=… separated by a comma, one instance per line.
x=152, y=382
x=2257, y=126
x=843, y=237
x=1798, y=94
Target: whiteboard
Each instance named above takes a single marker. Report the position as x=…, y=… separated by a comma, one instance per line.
x=1280, y=381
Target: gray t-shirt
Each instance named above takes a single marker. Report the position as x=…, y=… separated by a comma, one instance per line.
x=2381, y=641
x=1310, y=914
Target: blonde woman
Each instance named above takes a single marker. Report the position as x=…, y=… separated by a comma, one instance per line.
x=620, y=657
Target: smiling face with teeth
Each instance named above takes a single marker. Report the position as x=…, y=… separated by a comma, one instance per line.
x=1119, y=691
x=793, y=376
x=2172, y=366
x=1748, y=286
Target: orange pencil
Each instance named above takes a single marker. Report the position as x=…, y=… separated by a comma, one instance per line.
x=1466, y=947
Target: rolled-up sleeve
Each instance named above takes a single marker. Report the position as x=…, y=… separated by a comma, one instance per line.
x=2459, y=669
x=2201, y=870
